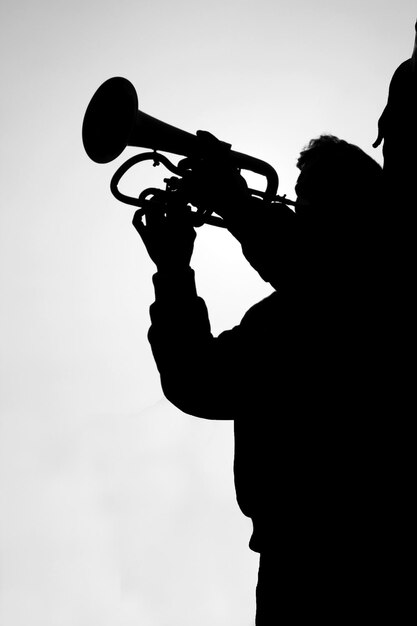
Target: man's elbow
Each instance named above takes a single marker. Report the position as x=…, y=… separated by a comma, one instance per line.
x=197, y=403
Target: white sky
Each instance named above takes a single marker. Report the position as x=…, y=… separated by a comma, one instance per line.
x=115, y=506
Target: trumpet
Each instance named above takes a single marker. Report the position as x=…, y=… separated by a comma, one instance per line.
x=113, y=121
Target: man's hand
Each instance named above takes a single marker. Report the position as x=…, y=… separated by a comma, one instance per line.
x=214, y=182
x=168, y=235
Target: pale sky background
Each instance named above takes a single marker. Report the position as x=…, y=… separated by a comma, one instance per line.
x=115, y=507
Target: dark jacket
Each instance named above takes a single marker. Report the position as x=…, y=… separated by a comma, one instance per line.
x=296, y=376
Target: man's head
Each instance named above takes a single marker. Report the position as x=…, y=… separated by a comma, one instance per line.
x=339, y=210
x=338, y=180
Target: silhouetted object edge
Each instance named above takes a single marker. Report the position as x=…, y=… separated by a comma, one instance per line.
x=114, y=121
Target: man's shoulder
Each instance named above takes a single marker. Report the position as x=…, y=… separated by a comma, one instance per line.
x=265, y=308
x=260, y=316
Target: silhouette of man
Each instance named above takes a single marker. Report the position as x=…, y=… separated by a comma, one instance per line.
x=397, y=128
x=302, y=376
x=398, y=132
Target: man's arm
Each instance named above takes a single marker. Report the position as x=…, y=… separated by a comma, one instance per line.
x=193, y=365
x=268, y=234
x=198, y=371
x=269, y=238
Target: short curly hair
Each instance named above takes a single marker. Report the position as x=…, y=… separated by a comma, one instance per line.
x=345, y=165
x=330, y=146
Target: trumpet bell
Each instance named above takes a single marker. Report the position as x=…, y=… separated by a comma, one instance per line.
x=112, y=122
x=109, y=120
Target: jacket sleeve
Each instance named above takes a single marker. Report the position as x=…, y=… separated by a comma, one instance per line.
x=199, y=373
x=269, y=238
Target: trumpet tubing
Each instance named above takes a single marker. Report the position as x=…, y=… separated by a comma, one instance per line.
x=114, y=121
